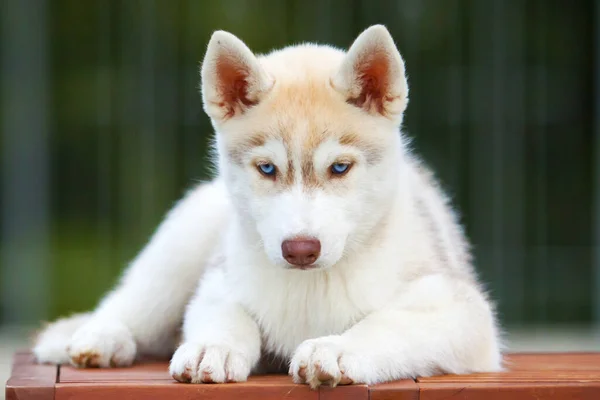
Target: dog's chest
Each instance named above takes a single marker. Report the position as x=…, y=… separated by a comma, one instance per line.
x=291, y=309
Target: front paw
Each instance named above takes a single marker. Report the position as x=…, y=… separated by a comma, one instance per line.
x=102, y=344
x=326, y=360
x=196, y=363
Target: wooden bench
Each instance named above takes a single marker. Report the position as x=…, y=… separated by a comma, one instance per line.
x=531, y=376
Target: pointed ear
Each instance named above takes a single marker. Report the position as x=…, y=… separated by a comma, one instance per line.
x=232, y=78
x=372, y=74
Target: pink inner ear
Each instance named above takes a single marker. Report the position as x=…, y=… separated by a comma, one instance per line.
x=233, y=86
x=374, y=79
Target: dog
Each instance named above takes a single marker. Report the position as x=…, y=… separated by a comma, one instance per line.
x=323, y=247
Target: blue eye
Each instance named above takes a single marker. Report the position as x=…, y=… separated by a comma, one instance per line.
x=267, y=169
x=340, y=168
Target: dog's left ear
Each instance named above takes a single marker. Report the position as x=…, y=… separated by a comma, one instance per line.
x=233, y=80
x=372, y=74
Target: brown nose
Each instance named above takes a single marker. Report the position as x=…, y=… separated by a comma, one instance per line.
x=301, y=252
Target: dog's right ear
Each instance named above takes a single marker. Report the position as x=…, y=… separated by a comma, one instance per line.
x=232, y=78
x=372, y=75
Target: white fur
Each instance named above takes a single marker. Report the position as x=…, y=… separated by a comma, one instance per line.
x=393, y=293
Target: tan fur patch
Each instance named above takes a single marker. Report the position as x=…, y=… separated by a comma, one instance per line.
x=302, y=110
x=309, y=176
x=87, y=359
x=372, y=150
x=291, y=172
x=305, y=99
x=315, y=137
x=237, y=149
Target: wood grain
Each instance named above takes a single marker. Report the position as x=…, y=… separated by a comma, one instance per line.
x=265, y=387
x=553, y=361
x=150, y=371
x=30, y=381
x=527, y=376
x=522, y=368
x=351, y=392
x=512, y=391
x=399, y=390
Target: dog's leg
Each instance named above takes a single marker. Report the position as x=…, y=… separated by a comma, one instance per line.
x=142, y=314
x=452, y=330
x=221, y=341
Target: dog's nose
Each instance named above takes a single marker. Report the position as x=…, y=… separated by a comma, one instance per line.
x=302, y=251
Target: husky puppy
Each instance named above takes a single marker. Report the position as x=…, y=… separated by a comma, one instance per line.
x=323, y=245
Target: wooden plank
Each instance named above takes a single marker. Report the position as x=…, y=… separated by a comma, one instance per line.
x=528, y=376
x=30, y=381
x=158, y=372
x=517, y=377
x=399, y=390
x=260, y=387
x=149, y=371
x=559, y=367
x=512, y=391
x=350, y=392
x=553, y=361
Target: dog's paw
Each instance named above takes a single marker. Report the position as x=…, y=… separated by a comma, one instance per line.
x=102, y=344
x=326, y=360
x=51, y=353
x=196, y=363
x=50, y=343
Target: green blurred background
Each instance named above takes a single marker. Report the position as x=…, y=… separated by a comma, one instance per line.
x=102, y=130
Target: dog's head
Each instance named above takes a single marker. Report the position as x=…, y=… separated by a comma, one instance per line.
x=308, y=141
